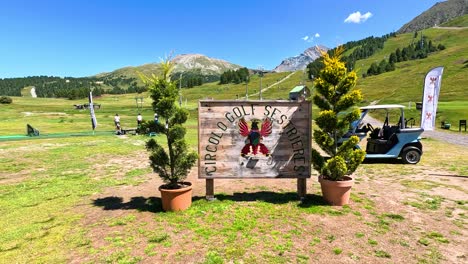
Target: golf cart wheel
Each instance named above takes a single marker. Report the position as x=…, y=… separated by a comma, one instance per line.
x=411, y=155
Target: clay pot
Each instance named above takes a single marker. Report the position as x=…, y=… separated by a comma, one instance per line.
x=336, y=192
x=176, y=199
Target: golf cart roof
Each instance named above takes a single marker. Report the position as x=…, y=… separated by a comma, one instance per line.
x=388, y=106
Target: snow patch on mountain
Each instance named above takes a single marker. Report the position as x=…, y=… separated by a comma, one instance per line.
x=301, y=61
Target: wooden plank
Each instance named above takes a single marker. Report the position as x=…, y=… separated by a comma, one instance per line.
x=302, y=188
x=210, y=189
x=285, y=151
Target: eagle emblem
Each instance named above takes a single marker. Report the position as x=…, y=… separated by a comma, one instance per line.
x=255, y=136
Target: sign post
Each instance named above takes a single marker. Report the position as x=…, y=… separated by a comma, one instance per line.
x=254, y=139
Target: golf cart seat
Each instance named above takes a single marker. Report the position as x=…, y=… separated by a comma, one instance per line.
x=381, y=146
x=388, y=131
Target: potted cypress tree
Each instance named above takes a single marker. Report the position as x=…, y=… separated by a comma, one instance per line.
x=174, y=160
x=335, y=97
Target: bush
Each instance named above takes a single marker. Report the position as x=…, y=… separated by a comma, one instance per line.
x=335, y=97
x=5, y=100
x=171, y=159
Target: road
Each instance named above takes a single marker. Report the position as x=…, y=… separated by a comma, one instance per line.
x=456, y=138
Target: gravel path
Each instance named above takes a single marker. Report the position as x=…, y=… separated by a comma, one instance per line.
x=450, y=137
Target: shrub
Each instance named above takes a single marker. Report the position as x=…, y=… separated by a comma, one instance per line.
x=5, y=100
x=173, y=161
x=335, y=97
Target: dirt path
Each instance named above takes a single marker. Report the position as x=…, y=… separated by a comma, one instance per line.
x=271, y=85
x=457, y=28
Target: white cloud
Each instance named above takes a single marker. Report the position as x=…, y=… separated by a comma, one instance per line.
x=357, y=18
x=310, y=38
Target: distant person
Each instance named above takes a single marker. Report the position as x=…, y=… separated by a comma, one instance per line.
x=117, y=120
x=139, y=119
x=156, y=118
x=117, y=124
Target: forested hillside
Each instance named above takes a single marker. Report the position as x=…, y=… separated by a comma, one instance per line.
x=68, y=87
x=354, y=51
x=405, y=82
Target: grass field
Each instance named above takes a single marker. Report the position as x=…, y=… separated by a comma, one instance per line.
x=51, y=116
x=94, y=200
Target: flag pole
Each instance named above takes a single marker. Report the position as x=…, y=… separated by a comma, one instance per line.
x=91, y=111
x=431, y=91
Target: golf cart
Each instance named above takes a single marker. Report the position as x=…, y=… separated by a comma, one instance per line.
x=389, y=141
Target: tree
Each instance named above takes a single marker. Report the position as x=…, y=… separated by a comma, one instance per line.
x=382, y=66
x=390, y=67
x=335, y=96
x=373, y=69
x=314, y=67
x=398, y=55
x=173, y=162
x=393, y=58
x=405, y=54
x=236, y=76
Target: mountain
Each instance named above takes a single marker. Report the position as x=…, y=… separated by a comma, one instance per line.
x=131, y=71
x=203, y=64
x=300, y=62
x=186, y=63
x=436, y=15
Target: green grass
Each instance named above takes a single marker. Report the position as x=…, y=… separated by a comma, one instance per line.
x=51, y=116
x=426, y=202
x=461, y=21
x=382, y=254
x=337, y=251
x=437, y=237
x=372, y=242
x=36, y=211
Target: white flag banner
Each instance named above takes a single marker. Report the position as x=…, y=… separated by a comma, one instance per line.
x=431, y=98
x=91, y=111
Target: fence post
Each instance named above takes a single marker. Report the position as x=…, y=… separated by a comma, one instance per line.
x=210, y=189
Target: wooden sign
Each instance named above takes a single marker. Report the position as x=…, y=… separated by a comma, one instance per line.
x=254, y=139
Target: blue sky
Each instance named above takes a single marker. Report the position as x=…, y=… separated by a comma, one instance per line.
x=83, y=38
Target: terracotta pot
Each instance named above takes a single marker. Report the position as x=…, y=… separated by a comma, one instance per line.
x=176, y=199
x=336, y=192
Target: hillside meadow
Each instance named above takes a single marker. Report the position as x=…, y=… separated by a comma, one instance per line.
x=405, y=84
